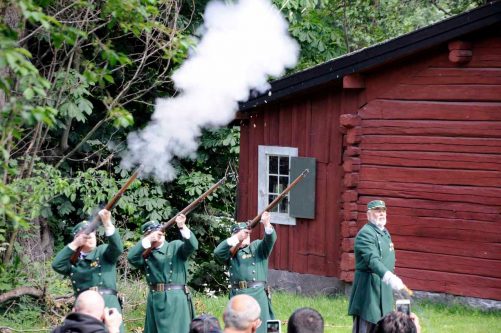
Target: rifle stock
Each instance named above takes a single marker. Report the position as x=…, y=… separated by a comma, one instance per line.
x=186, y=210
x=252, y=223
x=92, y=226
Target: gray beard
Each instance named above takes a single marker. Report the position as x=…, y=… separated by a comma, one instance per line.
x=380, y=225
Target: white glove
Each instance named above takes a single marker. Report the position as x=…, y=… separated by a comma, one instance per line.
x=394, y=281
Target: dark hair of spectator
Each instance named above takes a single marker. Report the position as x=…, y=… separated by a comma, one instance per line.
x=305, y=320
x=205, y=324
x=396, y=322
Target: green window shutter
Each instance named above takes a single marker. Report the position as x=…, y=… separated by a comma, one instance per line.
x=302, y=196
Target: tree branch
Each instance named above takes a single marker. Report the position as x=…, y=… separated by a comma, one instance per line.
x=89, y=134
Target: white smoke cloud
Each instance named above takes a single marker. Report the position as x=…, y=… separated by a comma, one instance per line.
x=243, y=44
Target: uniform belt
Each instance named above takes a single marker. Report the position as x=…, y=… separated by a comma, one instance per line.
x=167, y=287
x=102, y=291
x=248, y=284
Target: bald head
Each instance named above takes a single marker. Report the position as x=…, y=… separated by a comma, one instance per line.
x=242, y=312
x=90, y=303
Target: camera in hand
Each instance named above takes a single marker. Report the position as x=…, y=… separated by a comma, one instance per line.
x=403, y=305
x=273, y=326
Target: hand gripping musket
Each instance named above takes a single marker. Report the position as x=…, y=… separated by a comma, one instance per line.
x=185, y=211
x=408, y=291
x=252, y=223
x=91, y=227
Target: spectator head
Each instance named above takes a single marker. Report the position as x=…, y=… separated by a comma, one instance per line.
x=396, y=322
x=305, y=320
x=91, y=303
x=242, y=314
x=205, y=324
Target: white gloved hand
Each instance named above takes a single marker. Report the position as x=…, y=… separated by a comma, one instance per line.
x=394, y=281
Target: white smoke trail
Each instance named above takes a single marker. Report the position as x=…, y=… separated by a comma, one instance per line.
x=242, y=45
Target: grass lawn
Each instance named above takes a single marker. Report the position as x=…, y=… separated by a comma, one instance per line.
x=434, y=317
x=22, y=317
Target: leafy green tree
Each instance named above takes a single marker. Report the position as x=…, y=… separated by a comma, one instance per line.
x=77, y=76
x=327, y=29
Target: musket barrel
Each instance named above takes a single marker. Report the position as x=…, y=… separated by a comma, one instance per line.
x=186, y=210
x=279, y=198
x=92, y=226
x=252, y=223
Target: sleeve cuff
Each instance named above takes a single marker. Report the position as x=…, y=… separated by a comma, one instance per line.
x=109, y=231
x=232, y=241
x=146, y=243
x=268, y=230
x=71, y=247
x=185, y=232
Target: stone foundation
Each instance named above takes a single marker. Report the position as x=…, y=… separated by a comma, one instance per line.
x=308, y=284
x=305, y=284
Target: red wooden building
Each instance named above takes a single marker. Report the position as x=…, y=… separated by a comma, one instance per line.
x=415, y=121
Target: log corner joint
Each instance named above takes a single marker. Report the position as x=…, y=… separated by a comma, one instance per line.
x=354, y=81
x=460, y=52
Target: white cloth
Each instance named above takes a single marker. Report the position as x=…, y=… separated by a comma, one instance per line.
x=233, y=240
x=185, y=232
x=394, y=281
x=109, y=231
x=268, y=230
x=147, y=244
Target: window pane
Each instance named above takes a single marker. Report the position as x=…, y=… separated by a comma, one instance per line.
x=270, y=199
x=273, y=164
x=284, y=165
x=284, y=182
x=284, y=205
x=273, y=184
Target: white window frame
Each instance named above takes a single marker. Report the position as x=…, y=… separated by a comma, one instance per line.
x=262, y=189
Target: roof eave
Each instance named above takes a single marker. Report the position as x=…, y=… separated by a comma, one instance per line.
x=391, y=50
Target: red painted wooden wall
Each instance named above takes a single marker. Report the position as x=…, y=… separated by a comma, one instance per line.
x=429, y=144
x=425, y=136
x=312, y=125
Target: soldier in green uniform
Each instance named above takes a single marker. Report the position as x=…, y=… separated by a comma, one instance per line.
x=372, y=296
x=249, y=267
x=169, y=306
x=96, y=267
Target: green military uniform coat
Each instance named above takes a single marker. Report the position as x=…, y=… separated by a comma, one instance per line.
x=97, y=269
x=250, y=264
x=169, y=311
x=371, y=298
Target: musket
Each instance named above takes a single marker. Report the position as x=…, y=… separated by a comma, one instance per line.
x=92, y=226
x=186, y=210
x=252, y=223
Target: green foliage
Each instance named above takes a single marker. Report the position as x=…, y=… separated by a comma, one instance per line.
x=207, y=275
x=74, y=90
x=327, y=29
x=12, y=275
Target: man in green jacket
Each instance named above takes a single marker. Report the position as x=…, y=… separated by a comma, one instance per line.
x=96, y=267
x=169, y=307
x=372, y=296
x=249, y=267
